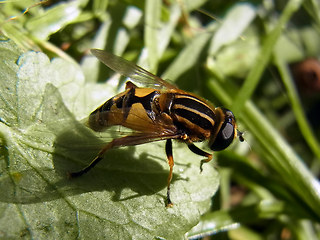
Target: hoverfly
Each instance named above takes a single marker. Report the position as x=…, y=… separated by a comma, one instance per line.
x=163, y=112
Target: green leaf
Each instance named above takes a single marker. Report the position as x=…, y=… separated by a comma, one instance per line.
x=123, y=197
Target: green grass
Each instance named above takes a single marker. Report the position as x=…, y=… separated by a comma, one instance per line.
x=237, y=55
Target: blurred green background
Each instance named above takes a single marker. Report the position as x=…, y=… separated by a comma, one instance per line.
x=257, y=58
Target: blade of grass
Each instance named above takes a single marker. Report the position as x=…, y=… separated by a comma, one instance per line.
x=263, y=57
x=189, y=55
x=303, y=229
x=152, y=23
x=279, y=154
x=19, y=36
x=296, y=105
x=219, y=221
x=240, y=15
x=99, y=7
x=224, y=220
x=53, y=19
x=313, y=8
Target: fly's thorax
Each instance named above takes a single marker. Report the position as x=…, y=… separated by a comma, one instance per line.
x=224, y=131
x=165, y=101
x=193, y=115
x=145, y=100
x=143, y=110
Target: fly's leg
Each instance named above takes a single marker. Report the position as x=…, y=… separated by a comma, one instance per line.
x=171, y=163
x=200, y=152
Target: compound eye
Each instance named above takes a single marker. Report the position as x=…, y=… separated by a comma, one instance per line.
x=224, y=137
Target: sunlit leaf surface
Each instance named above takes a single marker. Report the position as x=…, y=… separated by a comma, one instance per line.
x=123, y=197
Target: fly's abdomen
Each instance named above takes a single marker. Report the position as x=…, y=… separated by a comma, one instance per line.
x=108, y=114
x=135, y=108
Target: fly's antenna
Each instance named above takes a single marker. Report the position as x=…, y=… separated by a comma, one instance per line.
x=242, y=139
x=240, y=135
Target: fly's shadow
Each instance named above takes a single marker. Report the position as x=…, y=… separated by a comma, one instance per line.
x=74, y=148
x=120, y=169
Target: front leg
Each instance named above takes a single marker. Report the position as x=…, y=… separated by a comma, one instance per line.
x=200, y=152
x=171, y=163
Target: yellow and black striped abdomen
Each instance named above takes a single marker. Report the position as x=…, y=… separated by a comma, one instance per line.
x=108, y=114
x=194, y=114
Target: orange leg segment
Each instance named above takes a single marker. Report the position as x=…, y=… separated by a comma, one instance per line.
x=171, y=163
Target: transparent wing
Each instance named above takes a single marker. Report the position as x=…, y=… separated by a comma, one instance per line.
x=143, y=130
x=131, y=70
x=137, y=121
